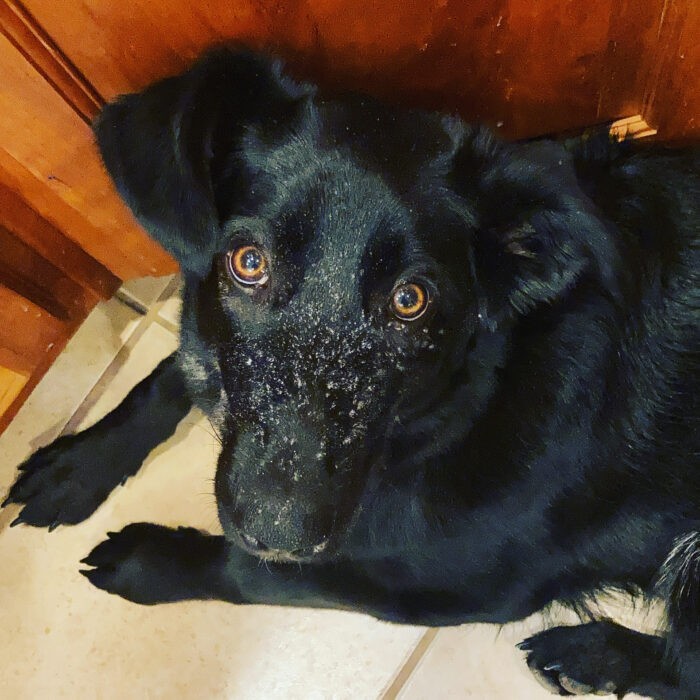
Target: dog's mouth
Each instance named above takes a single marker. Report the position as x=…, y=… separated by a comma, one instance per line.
x=243, y=526
x=298, y=556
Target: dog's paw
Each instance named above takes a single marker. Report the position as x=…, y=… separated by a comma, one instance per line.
x=149, y=564
x=596, y=658
x=65, y=482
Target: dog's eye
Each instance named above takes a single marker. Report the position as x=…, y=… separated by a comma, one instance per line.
x=409, y=301
x=247, y=265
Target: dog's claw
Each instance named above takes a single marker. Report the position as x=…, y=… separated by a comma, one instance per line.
x=91, y=559
x=89, y=574
x=6, y=502
x=553, y=667
x=17, y=521
x=54, y=525
x=525, y=645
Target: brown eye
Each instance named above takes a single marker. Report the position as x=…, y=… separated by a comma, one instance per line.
x=409, y=301
x=247, y=265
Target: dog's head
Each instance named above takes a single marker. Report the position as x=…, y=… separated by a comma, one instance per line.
x=353, y=273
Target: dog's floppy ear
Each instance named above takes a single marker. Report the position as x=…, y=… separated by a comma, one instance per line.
x=536, y=232
x=166, y=147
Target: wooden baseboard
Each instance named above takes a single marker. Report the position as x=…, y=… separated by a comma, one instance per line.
x=11, y=384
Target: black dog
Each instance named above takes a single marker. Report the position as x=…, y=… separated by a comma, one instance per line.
x=458, y=379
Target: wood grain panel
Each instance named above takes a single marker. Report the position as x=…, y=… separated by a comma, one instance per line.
x=43, y=134
x=525, y=67
x=21, y=365
x=26, y=329
x=14, y=362
x=672, y=90
x=33, y=277
x=11, y=385
x=27, y=225
x=39, y=49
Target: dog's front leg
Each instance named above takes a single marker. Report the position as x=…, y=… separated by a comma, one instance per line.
x=149, y=564
x=604, y=657
x=64, y=482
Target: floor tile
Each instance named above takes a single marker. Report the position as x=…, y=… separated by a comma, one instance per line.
x=154, y=345
x=170, y=310
x=482, y=661
x=65, y=385
x=475, y=661
x=62, y=638
x=146, y=290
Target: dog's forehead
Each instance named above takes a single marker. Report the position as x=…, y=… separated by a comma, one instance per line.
x=400, y=143
x=361, y=156
x=336, y=193
x=337, y=206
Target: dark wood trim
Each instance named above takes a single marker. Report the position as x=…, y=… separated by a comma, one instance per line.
x=32, y=276
x=658, y=59
x=38, y=233
x=671, y=98
x=37, y=374
x=37, y=47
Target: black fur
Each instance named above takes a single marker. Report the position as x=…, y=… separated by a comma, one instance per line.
x=532, y=438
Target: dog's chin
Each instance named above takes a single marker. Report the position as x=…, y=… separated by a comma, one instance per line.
x=309, y=555
x=277, y=556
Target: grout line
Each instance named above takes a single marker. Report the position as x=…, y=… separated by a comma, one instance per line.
x=172, y=287
x=148, y=317
x=410, y=665
x=107, y=376
x=170, y=291
x=168, y=325
x=127, y=299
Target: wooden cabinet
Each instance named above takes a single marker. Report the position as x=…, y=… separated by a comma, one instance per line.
x=65, y=238
x=526, y=67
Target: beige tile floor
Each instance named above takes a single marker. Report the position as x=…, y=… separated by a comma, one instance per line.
x=61, y=638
